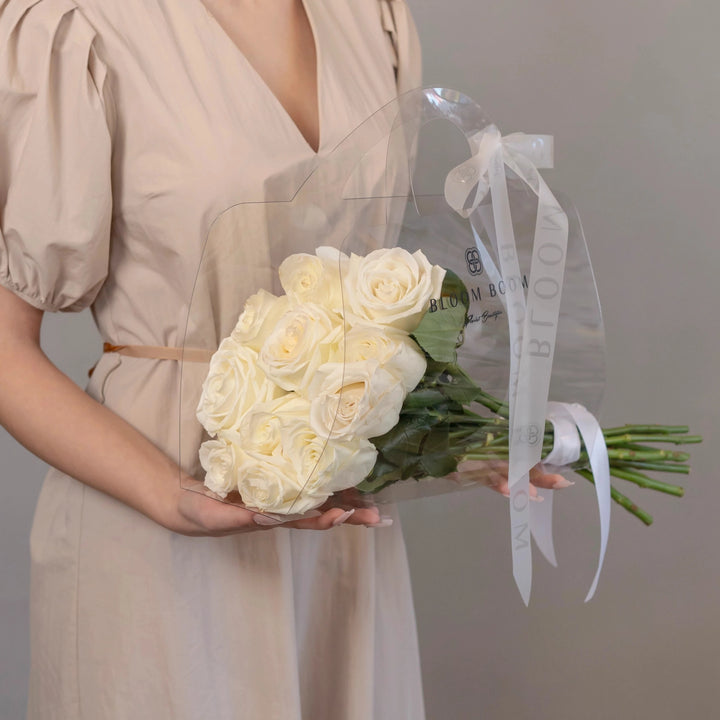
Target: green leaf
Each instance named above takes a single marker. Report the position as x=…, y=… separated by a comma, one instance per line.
x=433, y=371
x=453, y=285
x=436, y=459
x=412, y=471
x=424, y=398
x=374, y=484
x=462, y=391
x=438, y=465
x=460, y=387
x=402, y=444
x=381, y=467
x=440, y=331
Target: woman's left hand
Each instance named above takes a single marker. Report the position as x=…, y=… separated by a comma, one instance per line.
x=494, y=474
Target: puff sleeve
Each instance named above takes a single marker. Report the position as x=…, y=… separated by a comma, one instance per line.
x=55, y=151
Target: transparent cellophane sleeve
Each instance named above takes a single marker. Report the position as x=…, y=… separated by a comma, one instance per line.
x=263, y=423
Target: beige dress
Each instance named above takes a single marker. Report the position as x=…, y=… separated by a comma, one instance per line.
x=126, y=127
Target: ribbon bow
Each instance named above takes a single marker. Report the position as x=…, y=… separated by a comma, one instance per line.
x=522, y=153
x=532, y=325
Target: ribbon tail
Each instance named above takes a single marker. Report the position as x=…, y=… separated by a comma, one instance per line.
x=523, y=580
x=566, y=450
x=521, y=552
x=541, y=514
x=519, y=464
x=594, y=440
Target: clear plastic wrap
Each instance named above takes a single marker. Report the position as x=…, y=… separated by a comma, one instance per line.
x=305, y=375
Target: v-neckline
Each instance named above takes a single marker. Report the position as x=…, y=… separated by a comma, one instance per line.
x=214, y=22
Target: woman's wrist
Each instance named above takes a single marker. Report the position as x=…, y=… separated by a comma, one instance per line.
x=161, y=502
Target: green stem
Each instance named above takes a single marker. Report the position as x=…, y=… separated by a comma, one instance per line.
x=461, y=433
x=500, y=440
x=470, y=419
x=492, y=404
x=482, y=418
x=489, y=455
x=631, y=438
x=646, y=482
x=646, y=430
x=647, y=455
x=656, y=466
x=621, y=499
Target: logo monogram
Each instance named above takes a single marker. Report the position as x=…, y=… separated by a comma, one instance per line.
x=472, y=258
x=529, y=434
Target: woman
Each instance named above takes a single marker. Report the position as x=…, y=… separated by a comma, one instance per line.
x=125, y=129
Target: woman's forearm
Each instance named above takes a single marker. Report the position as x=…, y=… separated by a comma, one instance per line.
x=57, y=421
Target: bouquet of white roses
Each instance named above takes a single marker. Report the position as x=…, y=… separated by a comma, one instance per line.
x=365, y=337
x=295, y=393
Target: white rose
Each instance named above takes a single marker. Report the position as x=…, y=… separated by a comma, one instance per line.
x=325, y=466
x=314, y=278
x=234, y=384
x=304, y=338
x=270, y=485
x=259, y=316
x=392, y=348
x=217, y=458
x=349, y=462
x=390, y=286
x=358, y=399
x=259, y=431
x=261, y=428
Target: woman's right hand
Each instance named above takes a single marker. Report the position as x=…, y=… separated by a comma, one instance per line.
x=197, y=513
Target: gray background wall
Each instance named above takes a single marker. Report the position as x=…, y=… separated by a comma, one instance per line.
x=631, y=92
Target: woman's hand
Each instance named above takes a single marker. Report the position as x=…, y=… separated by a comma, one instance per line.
x=196, y=512
x=494, y=474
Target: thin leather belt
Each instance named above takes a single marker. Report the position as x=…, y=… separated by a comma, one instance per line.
x=158, y=352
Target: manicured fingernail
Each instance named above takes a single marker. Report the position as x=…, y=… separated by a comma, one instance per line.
x=562, y=483
x=265, y=520
x=384, y=521
x=537, y=498
x=342, y=518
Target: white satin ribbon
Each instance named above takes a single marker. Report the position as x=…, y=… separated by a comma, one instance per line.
x=566, y=450
x=566, y=441
x=532, y=322
x=522, y=153
x=567, y=419
x=533, y=329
